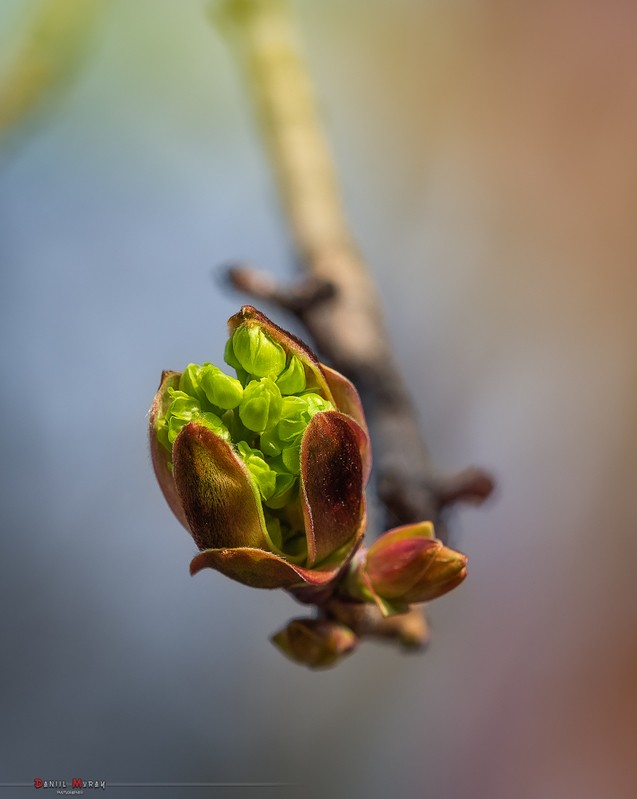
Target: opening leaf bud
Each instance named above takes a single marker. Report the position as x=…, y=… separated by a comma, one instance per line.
x=182, y=409
x=266, y=471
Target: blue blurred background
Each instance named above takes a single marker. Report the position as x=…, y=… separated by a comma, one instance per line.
x=487, y=158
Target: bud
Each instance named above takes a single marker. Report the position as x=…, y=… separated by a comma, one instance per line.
x=260, y=408
x=447, y=571
x=291, y=457
x=407, y=565
x=286, y=436
x=214, y=423
x=317, y=643
x=230, y=358
x=189, y=382
x=263, y=475
x=182, y=410
x=294, y=419
x=256, y=352
x=292, y=379
x=220, y=389
x=271, y=487
x=286, y=487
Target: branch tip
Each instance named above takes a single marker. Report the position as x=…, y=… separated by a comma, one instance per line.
x=472, y=485
x=298, y=298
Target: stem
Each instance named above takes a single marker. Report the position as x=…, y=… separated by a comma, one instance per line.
x=346, y=320
x=49, y=53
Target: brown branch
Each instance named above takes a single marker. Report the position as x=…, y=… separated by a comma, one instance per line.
x=337, y=302
x=410, y=629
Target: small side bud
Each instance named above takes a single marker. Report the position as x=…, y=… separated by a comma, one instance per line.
x=316, y=643
x=446, y=572
x=407, y=565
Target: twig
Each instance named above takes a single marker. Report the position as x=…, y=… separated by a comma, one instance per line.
x=337, y=302
x=50, y=51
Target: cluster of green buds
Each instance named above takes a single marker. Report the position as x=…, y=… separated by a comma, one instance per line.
x=263, y=413
x=267, y=471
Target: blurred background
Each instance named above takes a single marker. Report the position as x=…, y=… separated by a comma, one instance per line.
x=488, y=164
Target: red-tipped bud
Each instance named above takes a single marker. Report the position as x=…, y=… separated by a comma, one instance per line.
x=408, y=565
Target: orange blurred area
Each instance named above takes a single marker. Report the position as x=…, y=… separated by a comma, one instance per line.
x=529, y=170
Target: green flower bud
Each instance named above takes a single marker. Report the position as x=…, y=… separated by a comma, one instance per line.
x=264, y=477
x=316, y=404
x=292, y=458
x=273, y=526
x=182, y=405
x=284, y=536
x=238, y=431
x=271, y=443
x=292, y=378
x=256, y=352
x=174, y=428
x=260, y=408
x=296, y=546
x=296, y=413
x=161, y=431
x=214, y=423
x=284, y=491
x=229, y=357
x=182, y=409
x=289, y=430
x=189, y=382
x=220, y=389
x=293, y=407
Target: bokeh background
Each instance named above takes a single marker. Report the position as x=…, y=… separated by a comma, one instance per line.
x=488, y=164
